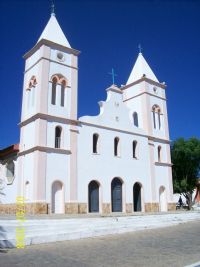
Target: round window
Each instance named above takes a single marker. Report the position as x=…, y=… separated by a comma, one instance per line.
x=60, y=56
x=155, y=89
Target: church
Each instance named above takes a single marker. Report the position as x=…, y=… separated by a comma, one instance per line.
x=118, y=161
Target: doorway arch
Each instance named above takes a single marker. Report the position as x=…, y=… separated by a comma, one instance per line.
x=116, y=195
x=93, y=196
x=162, y=199
x=137, y=197
x=57, y=197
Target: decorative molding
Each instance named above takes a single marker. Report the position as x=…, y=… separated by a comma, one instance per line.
x=145, y=79
x=165, y=141
x=157, y=139
x=51, y=45
x=45, y=149
x=49, y=118
x=74, y=131
x=77, y=123
x=114, y=89
x=163, y=164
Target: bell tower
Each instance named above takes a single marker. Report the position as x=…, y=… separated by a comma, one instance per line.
x=145, y=96
x=48, y=122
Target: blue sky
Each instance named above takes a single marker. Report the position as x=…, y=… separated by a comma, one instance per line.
x=107, y=33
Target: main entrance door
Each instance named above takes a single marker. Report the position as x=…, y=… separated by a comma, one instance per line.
x=116, y=194
x=93, y=195
x=137, y=197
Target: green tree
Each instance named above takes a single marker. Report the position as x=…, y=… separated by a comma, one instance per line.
x=186, y=166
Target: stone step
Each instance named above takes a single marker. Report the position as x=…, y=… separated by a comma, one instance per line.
x=43, y=231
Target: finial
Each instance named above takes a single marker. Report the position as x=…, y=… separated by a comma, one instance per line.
x=140, y=48
x=52, y=8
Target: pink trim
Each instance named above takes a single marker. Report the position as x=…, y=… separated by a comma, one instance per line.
x=43, y=82
x=60, y=79
x=152, y=171
x=73, y=165
x=74, y=84
x=32, y=83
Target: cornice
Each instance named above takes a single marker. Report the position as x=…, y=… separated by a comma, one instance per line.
x=49, y=118
x=78, y=122
x=144, y=79
x=164, y=164
x=51, y=44
x=152, y=138
x=44, y=149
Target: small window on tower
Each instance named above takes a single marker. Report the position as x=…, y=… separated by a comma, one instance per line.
x=134, y=149
x=58, y=132
x=135, y=119
x=159, y=153
x=156, y=111
x=95, y=143
x=60, y=56
x=116, y=147
x=53, y=96
x=63, y=85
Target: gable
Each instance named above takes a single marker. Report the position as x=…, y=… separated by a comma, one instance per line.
x=113, y=113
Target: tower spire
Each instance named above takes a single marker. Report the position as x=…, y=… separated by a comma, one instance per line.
x=52, y=8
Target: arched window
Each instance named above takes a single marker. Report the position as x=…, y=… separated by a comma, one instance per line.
x=95, y=143
x=33, y=96
x=32, y=83
x=31, y=91
x=63, y=85
x=10, y=169
x=116, y=147
x=159, y=119
x=156, y=117
x=159, y=153
x=58, y=131
x=135, y=119
x=134, y=148
x=53, y=93
x=59, y=83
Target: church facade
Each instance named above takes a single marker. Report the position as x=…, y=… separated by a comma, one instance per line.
x=118, y=161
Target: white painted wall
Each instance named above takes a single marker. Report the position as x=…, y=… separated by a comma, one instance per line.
x=57, y=170
x=104, y=166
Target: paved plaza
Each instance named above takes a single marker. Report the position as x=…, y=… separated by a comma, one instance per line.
x=174, y=246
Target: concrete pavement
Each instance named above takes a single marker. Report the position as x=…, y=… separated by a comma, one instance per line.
x=175, y=246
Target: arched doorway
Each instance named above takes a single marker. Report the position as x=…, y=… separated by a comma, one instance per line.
x=93, y=196
x=116, y=195
x=57, y=197
x=137, y=200
x=162, y=199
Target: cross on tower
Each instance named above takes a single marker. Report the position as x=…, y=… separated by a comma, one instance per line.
x=140, y=48
x=113, y=75
x=52, y=8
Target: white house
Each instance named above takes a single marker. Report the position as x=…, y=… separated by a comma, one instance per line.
x=118, y=161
